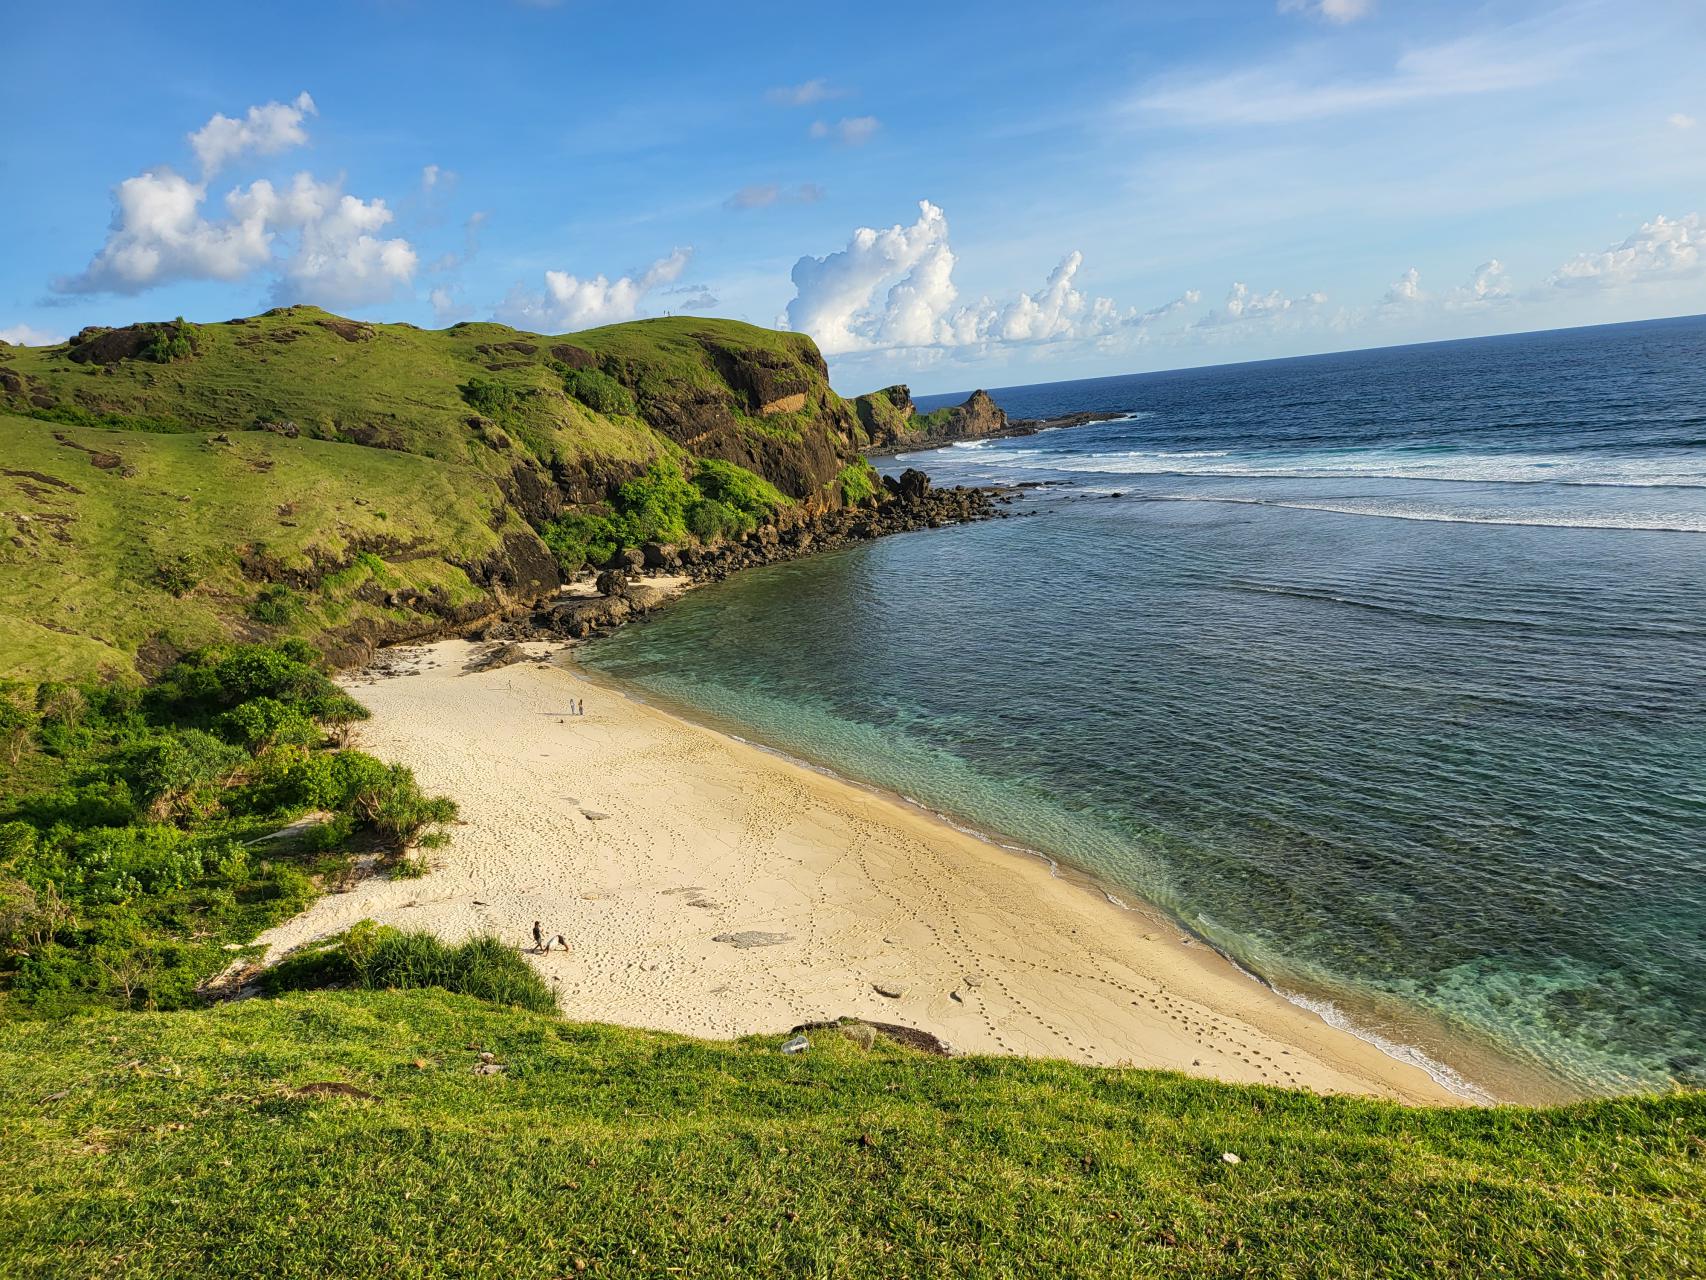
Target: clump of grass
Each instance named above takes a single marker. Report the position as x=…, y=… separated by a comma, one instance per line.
x=375, y=957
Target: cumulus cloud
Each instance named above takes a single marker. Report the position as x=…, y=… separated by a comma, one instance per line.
x=323, y=245
x=1489, y=283
x=894, y=288
x=1663, y=249
x=763, y=195
x=1681, y=121
x=26, y=335
x=161, y=234
x=850, y=131
x=1244, y=305
x=266, y=130
x=804, y=95
x=571, y=302
x=1331, y=10
x=1406, y=289
x=339, y=260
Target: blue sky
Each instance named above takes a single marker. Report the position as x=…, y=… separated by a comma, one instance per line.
x=950, y=195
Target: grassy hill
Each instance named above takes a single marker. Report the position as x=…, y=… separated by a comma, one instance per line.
x=166, y=485
x=345, y=1133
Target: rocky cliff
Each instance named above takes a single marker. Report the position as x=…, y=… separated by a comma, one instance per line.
x=892, y=423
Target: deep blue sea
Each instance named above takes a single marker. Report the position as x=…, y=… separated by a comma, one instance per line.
x=1385, y=672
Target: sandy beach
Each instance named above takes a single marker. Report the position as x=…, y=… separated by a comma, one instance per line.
x=708, y=887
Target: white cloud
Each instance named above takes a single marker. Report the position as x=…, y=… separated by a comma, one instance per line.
x=833, y=294
x=1269, y=95
x=25, y=335
x=1189, y=298
x=339, y=259
x=1489, y=283
x=266, y=130
x=804, y=95
x=160, y=235
x=570, y=302
x=850, y=131
x=1331, y=10
x=1406, y=289
x=1245, y=306
x=1681, y=121
x=837, y=302
x=1663, y=249
x=325, y=246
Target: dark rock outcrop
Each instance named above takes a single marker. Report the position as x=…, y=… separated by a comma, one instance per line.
x=891, y=422
x=908, y=502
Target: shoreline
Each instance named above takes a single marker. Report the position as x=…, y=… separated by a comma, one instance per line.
x=1509, y=1081
x=717, y=888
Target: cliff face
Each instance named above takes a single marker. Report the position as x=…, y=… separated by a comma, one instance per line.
x=891, y=421
x=168, y=485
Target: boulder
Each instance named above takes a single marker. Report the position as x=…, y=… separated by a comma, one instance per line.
x=912, y=485
x=612, y=582
x=656, y=555
x=627, y=559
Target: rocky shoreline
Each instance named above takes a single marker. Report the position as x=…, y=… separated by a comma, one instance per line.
x=909, y=502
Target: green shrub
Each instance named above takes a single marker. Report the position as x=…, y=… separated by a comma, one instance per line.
x=277, y=606
x=578, y=539
x=600, y=392
x=735, y=487
x=858, y=483
x=172, y=768
x=491, y=398
x=169, y=342
x=125, y=874
x=383, y=957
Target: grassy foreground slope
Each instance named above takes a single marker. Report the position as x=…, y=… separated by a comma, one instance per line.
x=169, y=485
x=183, y=1145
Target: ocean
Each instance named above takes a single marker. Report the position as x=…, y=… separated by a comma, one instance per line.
x=1383, y=672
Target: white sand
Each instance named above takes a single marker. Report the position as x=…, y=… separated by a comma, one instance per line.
x=640, y=837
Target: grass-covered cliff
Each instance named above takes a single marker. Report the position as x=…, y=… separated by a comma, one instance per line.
x=164, y=486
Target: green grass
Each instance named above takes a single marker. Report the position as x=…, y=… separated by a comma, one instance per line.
x=97, y=562
x=179, y=1146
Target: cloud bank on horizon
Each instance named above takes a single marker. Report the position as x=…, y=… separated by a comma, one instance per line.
x=1348, y=174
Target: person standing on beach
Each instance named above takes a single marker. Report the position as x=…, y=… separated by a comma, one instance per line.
x=538, y=937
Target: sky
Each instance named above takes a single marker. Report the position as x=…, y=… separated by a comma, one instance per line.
x=949, y=195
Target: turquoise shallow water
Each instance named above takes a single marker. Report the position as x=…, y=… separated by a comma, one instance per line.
x=1306, y=654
